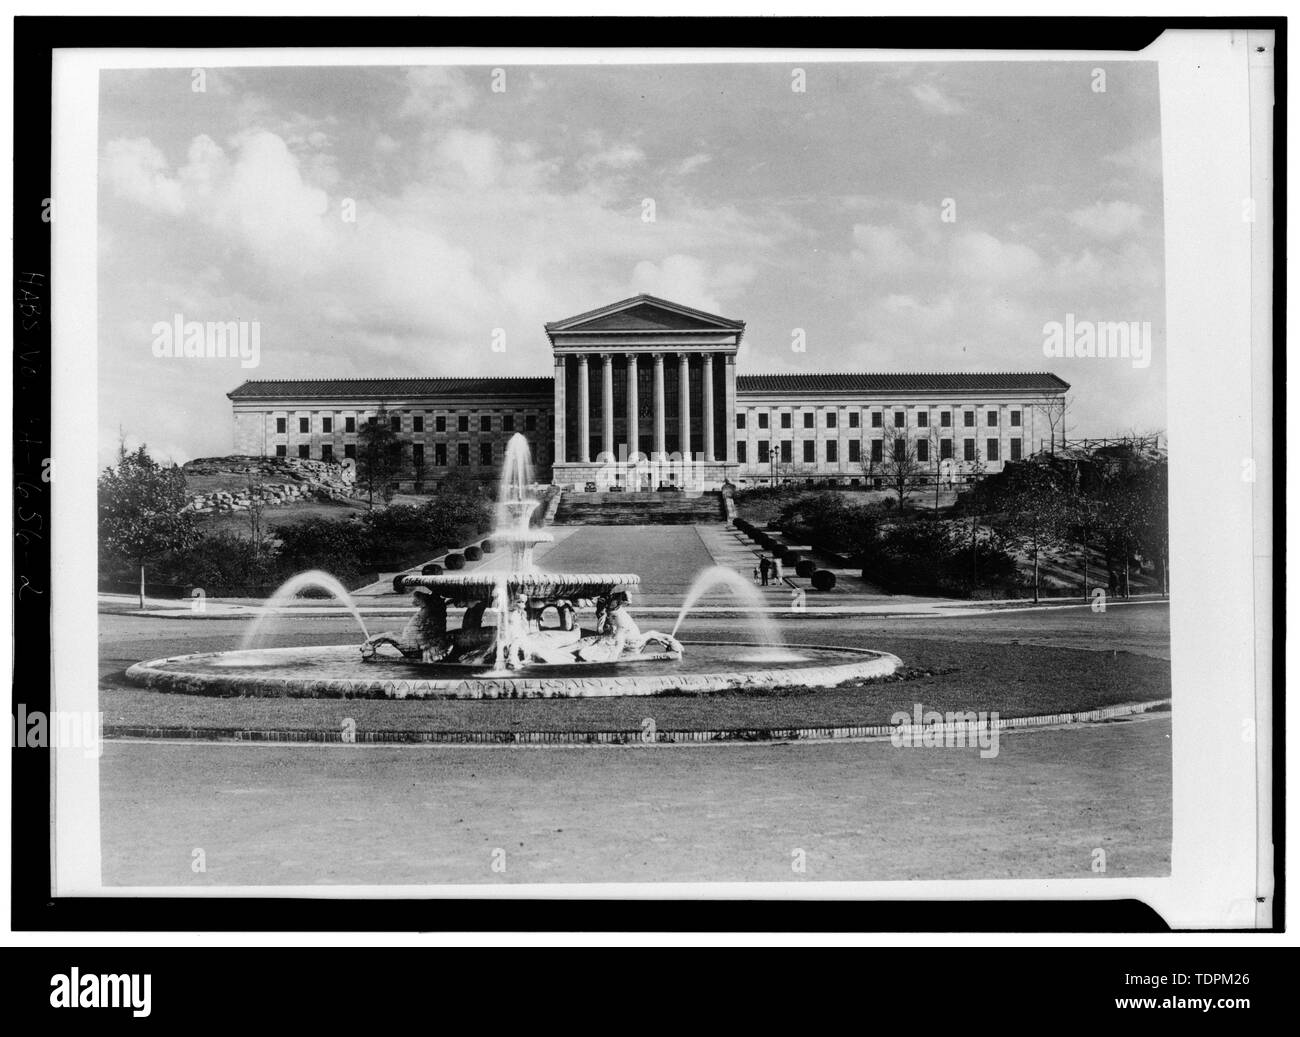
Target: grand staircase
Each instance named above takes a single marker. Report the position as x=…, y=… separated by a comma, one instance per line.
x=639, y=509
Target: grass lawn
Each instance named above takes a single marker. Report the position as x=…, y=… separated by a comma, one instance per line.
x=1014, y=680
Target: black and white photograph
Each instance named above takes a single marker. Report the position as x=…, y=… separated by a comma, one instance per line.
x=656, y=472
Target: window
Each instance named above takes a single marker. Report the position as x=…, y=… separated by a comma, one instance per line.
x=327, y=425
x=831, y=418
x=900, y=419
x=877, y=450
x=992, y=450
x=1015, y=419
x=992, y=419
x=923, y=419
x=282, y=451
x=968, y=418
x=485, y=453
x=809, y=451
x=349, y=424
x=507, y=423
x=485, y=423
x=876, y=419
x=304, y=450
x=417, y=455
x=741, y=452
x=350, y=450
x=440, y=423
x=326, y=452
x=900, y=448
x=787, y=450
x=945, y=450
x=462, y=453
x=764, y=451
x=855, y=451
x=923, y=450
x=855, y=419
x=440, y=455
x=395, y=423
x=762, y=420
x=462, y=424
x=968, y=449
x=945, y=419
x=832, y=451
x=786, y=419
x=530, y=422
x=304, y=424
x=740, y=419
x=370, y=421
x=809, y=420
x=1015, y=450
x=417, y=423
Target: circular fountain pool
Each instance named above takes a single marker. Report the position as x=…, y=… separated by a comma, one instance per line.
x=337, y=671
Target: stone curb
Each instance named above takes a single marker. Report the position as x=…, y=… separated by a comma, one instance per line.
x=616, y=738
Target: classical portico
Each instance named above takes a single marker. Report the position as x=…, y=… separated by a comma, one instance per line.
x=645, y=394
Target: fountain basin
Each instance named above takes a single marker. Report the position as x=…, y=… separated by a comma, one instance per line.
x=337, y=671
x=472, y=588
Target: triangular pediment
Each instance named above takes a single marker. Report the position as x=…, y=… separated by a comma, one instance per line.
x=645, y=313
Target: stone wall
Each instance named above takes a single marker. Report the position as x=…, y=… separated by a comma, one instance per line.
x=274, y=480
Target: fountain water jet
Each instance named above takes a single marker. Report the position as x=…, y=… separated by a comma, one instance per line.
x=289, y=590
x=750, y=601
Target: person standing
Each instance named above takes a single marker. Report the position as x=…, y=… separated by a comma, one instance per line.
x=778, y=570
x=765, y=569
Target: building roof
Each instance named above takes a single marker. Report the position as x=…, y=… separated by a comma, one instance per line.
x=332, y=388
x=644, y=313
x=936, y=382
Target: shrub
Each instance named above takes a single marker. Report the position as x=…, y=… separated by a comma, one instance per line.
x=823, y=580
x=804, y=569
x=487, y=547
x=790, y=558
x=455, y=561
x=432, y=569
x=473, y=554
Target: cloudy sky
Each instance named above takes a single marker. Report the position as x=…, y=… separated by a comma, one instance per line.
x=478, y=209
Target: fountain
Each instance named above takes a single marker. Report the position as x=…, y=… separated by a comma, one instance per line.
x=521, y=655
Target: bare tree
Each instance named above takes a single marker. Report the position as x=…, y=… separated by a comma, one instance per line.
x=1055, y=409
x=900, y=468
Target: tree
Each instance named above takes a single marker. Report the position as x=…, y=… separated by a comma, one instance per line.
x=900, y=468
x=379, y=457
x=142, y=509
x=1055, y=409
x=1031, y=508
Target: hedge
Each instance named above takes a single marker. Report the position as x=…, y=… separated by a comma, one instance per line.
x=455, y=561
x=487, y=547
x=473, y=554
x=432, y=569
x=823, y=580
x=804, y=569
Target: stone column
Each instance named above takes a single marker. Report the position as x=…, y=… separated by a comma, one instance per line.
x=661, y=434
x=707, y=392
x=731, y=408
x=684, y=403
x=607, y=406
x=561, y=412
x=584, y=411
x=633, y=405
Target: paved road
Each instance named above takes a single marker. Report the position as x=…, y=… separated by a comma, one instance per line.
x=856, y=811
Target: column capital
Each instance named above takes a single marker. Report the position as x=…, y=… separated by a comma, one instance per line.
x=582, y=359
x=731, y=359
x=659, y=360
x=608, y=358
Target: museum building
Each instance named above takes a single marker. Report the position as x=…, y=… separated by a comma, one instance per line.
x=644, y=394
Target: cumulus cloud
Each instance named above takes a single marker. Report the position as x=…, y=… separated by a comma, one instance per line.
x=935, y=100
x=1108, y=220
x=691, y=280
